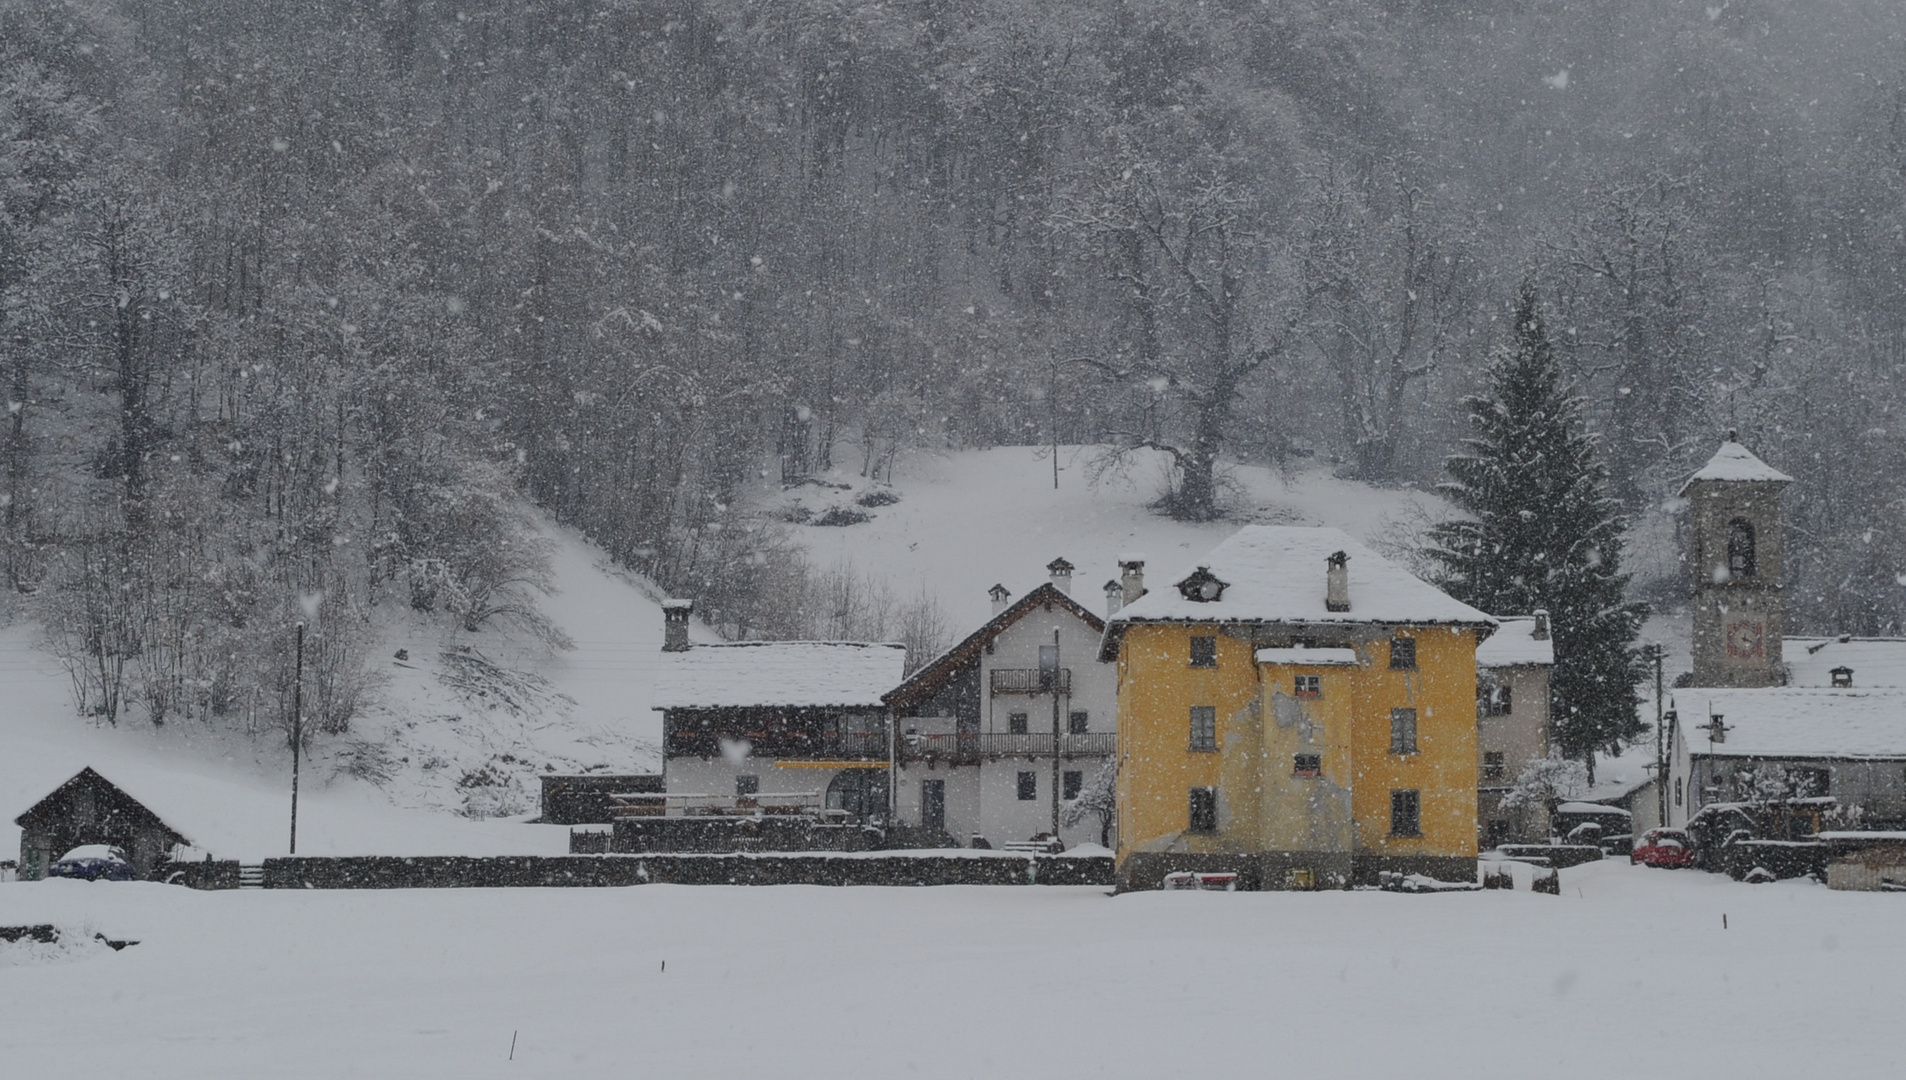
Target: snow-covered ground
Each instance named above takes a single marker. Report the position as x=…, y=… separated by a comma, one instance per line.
x=1629, y=973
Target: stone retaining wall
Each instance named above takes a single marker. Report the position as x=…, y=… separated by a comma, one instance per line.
x=532, y=871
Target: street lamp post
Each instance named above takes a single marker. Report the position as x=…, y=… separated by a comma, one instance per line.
x=297, y=732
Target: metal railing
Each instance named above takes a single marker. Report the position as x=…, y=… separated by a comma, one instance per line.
x=973, y=746
x=1031, y=680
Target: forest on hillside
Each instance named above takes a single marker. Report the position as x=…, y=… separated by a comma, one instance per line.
x=299, y=300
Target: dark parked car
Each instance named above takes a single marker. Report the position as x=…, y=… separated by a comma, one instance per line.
x=94, y=862
x=1664, y=847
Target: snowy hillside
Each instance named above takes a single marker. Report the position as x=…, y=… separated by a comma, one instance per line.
x=462, y=723
x=967, y=520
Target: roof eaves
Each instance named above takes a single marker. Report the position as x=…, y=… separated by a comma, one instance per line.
x=934, y=674
x=1115, y=628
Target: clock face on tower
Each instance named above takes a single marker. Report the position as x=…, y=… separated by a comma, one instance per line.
x=1745, y=640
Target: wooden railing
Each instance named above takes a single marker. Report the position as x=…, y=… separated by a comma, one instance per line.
x=973, y=746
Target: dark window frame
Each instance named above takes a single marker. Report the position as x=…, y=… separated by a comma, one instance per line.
x=1307, y=686
x=747, y=784
x=1202, y=810
x=1403, y=738
x=1307, y=765
x=1741, y=545
x=1072, y=782
x=1494, y=699
x=1018, y=723
x=1078, y=722
x=1493, y=765
x=1027, y=785
x=1402, y=653
x=1204, y=729
x=1204, y=650
x=1406, y=812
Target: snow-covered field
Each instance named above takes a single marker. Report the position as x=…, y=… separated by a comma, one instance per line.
x=1628, y=974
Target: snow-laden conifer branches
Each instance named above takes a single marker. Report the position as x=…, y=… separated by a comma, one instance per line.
x=1541, y=533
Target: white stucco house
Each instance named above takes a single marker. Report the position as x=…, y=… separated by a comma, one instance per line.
x=1512, y=724
x=997, y=733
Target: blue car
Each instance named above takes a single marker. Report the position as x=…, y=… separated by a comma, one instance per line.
x=94, y=862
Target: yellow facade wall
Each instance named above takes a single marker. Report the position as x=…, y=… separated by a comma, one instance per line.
x=1262, y=724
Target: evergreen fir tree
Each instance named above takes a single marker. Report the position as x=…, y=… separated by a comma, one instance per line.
x=1542, y=533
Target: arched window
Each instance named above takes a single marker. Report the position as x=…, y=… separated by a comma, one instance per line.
x=1740, y=548
x=1677, y=791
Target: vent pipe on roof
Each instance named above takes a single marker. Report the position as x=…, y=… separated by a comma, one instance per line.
x=1131, y=568
x=1001, y=598
x=675, y=615
x=1114, y=593
x=1541, y=625
x=1061, y=572
x=1337, y=582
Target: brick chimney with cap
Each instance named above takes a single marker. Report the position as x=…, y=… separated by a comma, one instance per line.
x=1114, y=593
x=1131, y=567
x=1002, y=598
x=1541, y=625
x=1337, y=582
x=1061, y=572
x=675, y=615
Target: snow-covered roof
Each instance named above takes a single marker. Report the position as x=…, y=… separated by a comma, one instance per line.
x=1309, y=657
x=1590, y=808
x=1619, y=776
x=1797, y=722
x=1514, y=644
x=792, y=674
x=1876, y=662
x=1275, y=573
x=934, y=674
x=1736, y=462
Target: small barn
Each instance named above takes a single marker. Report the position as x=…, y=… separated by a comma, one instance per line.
x=90, y=809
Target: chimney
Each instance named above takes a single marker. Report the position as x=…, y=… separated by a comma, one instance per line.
x=1061, y=572
x=1114, y=592
x=1541, y=625
x=1337, y=582
x=1131, y=566
x=1001, y=597
x=675, y=615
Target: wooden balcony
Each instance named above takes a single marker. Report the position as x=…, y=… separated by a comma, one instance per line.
x=973, y=747
x=1031, y=680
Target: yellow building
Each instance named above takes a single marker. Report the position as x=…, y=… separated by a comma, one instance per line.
x=1298, y=710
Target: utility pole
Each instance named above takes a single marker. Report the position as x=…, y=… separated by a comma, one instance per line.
x=1057, y=676
x=297, y=732
x=1052, y=426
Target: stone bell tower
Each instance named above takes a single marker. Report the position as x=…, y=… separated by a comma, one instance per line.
x=1734, y=557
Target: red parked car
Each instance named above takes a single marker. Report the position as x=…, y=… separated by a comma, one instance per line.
x=1663, y=847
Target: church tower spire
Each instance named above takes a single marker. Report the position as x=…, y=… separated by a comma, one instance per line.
x=1734, y=557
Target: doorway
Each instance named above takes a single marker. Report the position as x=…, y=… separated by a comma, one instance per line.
x=933, y=805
